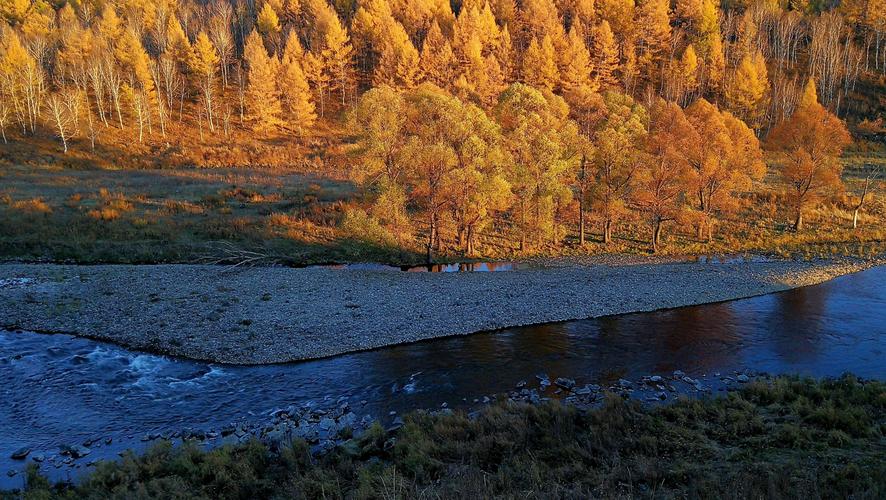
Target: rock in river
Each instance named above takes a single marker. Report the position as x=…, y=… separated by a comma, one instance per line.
x=21, y=453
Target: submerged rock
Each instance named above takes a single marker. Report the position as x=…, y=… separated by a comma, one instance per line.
x=21, y=453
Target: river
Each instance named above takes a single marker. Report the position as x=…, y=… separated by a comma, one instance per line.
x=59, y=389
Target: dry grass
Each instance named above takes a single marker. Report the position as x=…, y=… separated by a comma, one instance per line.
x=178, y=215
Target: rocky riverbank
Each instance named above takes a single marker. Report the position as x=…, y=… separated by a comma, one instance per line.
x=323, y=425
x=270, y=315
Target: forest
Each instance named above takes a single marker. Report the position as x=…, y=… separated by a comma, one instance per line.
x=471, y=127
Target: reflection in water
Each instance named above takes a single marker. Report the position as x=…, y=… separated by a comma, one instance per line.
x=59, y=389
x=799, y=316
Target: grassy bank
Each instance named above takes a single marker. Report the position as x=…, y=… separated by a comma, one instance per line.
x=788, y=437
x=286, y=216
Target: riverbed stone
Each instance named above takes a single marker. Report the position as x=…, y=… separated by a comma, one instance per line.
x=21, y=453
x=558, y=290
x=565, y=383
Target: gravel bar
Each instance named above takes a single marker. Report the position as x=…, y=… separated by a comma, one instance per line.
x=272, y=315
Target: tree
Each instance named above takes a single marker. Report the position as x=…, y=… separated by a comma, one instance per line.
x=619, y=154
x=62, y=119
x=268, y=24
x=871, y=177
x=538, y=135
x=725, y=156
x=21, y=80
x=335, y=53
x=748, y=95
x=606, y=50
x=294, y=89
x=540, y=66
x=811, y=141
x=661, y=180
x=654, y=36
x=377, y=121
x=261, y=96
x=576, y=78
x=437, y=59
x=204, y=64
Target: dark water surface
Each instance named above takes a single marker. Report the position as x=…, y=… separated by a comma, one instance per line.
x=57, y=389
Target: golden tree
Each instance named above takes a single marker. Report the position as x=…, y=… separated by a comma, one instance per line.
x=619, y=154
x=661, y=180
x=204, y=64
x=293, y=86
x=262, y=97
x=748, y=94
x=576, y=78
x=540, y=66
x=811, y=141
x=725, y=157
x=606, y=52
x=541, y=139
x=437, y=64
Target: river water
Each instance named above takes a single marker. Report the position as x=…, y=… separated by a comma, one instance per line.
x=58, y=389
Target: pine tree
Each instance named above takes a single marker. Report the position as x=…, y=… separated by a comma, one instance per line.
x=262, y=98
x=539, y=65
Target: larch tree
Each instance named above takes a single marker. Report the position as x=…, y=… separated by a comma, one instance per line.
x=540, y=65
x=748, y=94
x=437, y=62
x=811, y=142
x=139, y=88
x=618, y=156
x=336, y=52
x=294, y=89
x=606, y=52
x=654, y=36
x=204, y=66
x=263, y=106
x=576, y=78
x=268, y=25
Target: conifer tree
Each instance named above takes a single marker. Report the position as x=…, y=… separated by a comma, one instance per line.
x=748, y=94
x=262, y=98
x=204, y=64
x=437, y=60
x=539, y=65
x=576, y=78
x=294, y=90
x=606, y=51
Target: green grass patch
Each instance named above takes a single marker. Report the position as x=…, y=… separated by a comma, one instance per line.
x=784, y=438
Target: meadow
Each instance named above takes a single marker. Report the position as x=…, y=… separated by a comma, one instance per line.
x=86, y=213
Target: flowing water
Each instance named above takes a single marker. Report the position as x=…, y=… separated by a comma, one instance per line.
x=58, y=389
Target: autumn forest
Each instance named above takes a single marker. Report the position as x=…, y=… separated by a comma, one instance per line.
x=462, y=124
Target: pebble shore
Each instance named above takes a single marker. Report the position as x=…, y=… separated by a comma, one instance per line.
x=272, y=315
